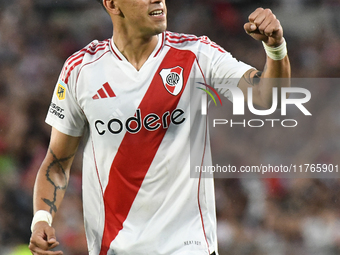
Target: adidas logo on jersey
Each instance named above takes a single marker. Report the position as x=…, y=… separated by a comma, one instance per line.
x=104, y=92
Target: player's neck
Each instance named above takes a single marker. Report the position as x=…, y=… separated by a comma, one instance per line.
x=135, y=50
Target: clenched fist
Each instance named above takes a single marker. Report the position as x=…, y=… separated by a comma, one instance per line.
x=264, y=26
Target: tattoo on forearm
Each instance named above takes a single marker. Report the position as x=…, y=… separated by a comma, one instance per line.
x=257, y=76
x=57, y=163
x=255, y=80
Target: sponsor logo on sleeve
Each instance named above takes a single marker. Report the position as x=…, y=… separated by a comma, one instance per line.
x=57, y=111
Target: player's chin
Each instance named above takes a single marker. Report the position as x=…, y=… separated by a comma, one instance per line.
x=160, y=30
x=154, y=29
x=162, y=27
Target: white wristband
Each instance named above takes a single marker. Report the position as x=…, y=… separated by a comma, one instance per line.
x=276, y=53
x=41, y=215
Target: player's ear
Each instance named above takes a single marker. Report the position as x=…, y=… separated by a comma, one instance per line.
x=111, y=7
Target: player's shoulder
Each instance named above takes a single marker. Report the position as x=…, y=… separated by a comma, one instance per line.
x=182, y=40
x=92, y=51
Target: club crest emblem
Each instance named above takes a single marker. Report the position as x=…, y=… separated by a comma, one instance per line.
x=173, y=79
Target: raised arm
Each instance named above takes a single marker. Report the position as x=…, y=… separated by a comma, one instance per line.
x=264, y=26
x=49, y=190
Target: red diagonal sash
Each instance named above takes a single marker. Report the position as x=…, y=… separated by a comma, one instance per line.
x=137, y=151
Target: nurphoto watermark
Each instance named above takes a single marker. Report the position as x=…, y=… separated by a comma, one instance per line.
x=292, y=138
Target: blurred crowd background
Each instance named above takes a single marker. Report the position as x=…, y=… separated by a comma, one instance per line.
x=255, y=216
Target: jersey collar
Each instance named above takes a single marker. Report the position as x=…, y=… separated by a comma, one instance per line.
x=156, y=51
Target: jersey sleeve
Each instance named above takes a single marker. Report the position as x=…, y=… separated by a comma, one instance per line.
x=64, y=113
x=225, y=70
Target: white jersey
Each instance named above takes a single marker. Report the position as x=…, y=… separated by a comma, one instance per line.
x=138, y=197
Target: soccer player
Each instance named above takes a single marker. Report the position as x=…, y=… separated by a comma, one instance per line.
x=128, y=97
